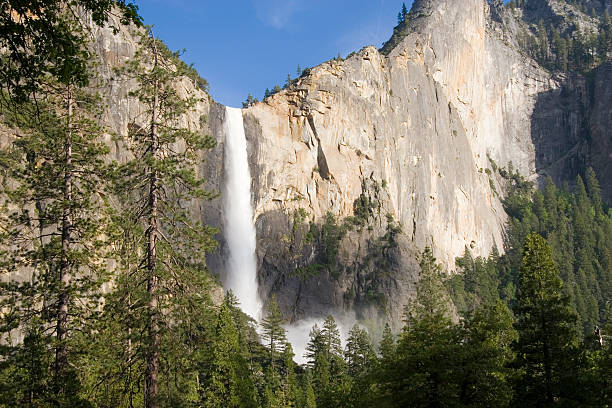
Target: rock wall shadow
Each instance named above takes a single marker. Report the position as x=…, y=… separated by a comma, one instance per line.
x=534, y=10
x=369, y=275
x=211, y=168
x=571, y=129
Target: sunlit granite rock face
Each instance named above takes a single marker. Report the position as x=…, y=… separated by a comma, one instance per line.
x=397, y=145
x=413, y=129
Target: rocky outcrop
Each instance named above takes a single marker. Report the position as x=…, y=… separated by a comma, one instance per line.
x=123, y=111
x=422, y=123
x=363, y=162
x=114, y=49
x=570, y=125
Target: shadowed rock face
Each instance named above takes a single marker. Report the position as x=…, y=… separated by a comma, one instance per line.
x=599, y=6
x=571, y=129
x=600, y=128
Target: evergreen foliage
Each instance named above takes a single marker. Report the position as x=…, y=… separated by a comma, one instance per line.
x=386, y=348
x=555, y=275
x=250, y=100
x=361, y=362
x=230, y=382
x=401, y=16
x=324, y=352
x=546, y=325
x=41, y=38
x=487, y=375
x=421, y=373
x=578, y=228
x=53, y=244
x=574, y=50
x=168, y=274
x=273, y=332
x=441, y=363
x=359, y=354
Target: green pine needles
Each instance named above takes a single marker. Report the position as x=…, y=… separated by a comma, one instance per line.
x=53, y=231
x=162, y=247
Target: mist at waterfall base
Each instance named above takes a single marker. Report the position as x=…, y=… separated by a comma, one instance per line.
x=298, y=333
x=239, y=232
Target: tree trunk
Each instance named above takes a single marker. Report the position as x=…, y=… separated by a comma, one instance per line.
x=61, y=357
x=547, y=360
x=152, y=370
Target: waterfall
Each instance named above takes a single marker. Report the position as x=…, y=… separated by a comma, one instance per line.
x=241, y=270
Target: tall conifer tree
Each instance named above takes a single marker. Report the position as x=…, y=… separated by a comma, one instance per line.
x=273, y=332
x=546, y=326
x=157, y=186
x=54, y=223
x=230, y=383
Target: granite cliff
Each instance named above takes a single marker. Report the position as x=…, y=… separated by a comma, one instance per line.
x=413, y=131
x=362, y=162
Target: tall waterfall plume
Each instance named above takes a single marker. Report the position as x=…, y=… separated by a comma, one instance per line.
x=241, y=271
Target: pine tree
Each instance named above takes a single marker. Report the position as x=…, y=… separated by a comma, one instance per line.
x=245, y=325
x=546, y=327
x=428, y=348
x=578, y=234
x=273, y=332
x=361, y=361
x=309, y=399
x=25, y=371
x=230, y=383
x=290, y=387
x=113, y=363
x=318, y=360
x=485, y=372
x=250, y=101
x=49, y=41
x=330, y=335
x=594, y=191
x=585, y=257
x=314, y=346
x=542, y=42
x=560, y=48
x=387, y=344
x=273, y=395
x=359, y=352
x=53, y=226
x=324, y=352
x=169, y=277
x=386, y=370
x=432, y=298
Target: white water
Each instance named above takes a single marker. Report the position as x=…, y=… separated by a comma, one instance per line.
x=241, y=273
x=241, y=266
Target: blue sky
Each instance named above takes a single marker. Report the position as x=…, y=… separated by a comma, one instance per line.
x=246, y=46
